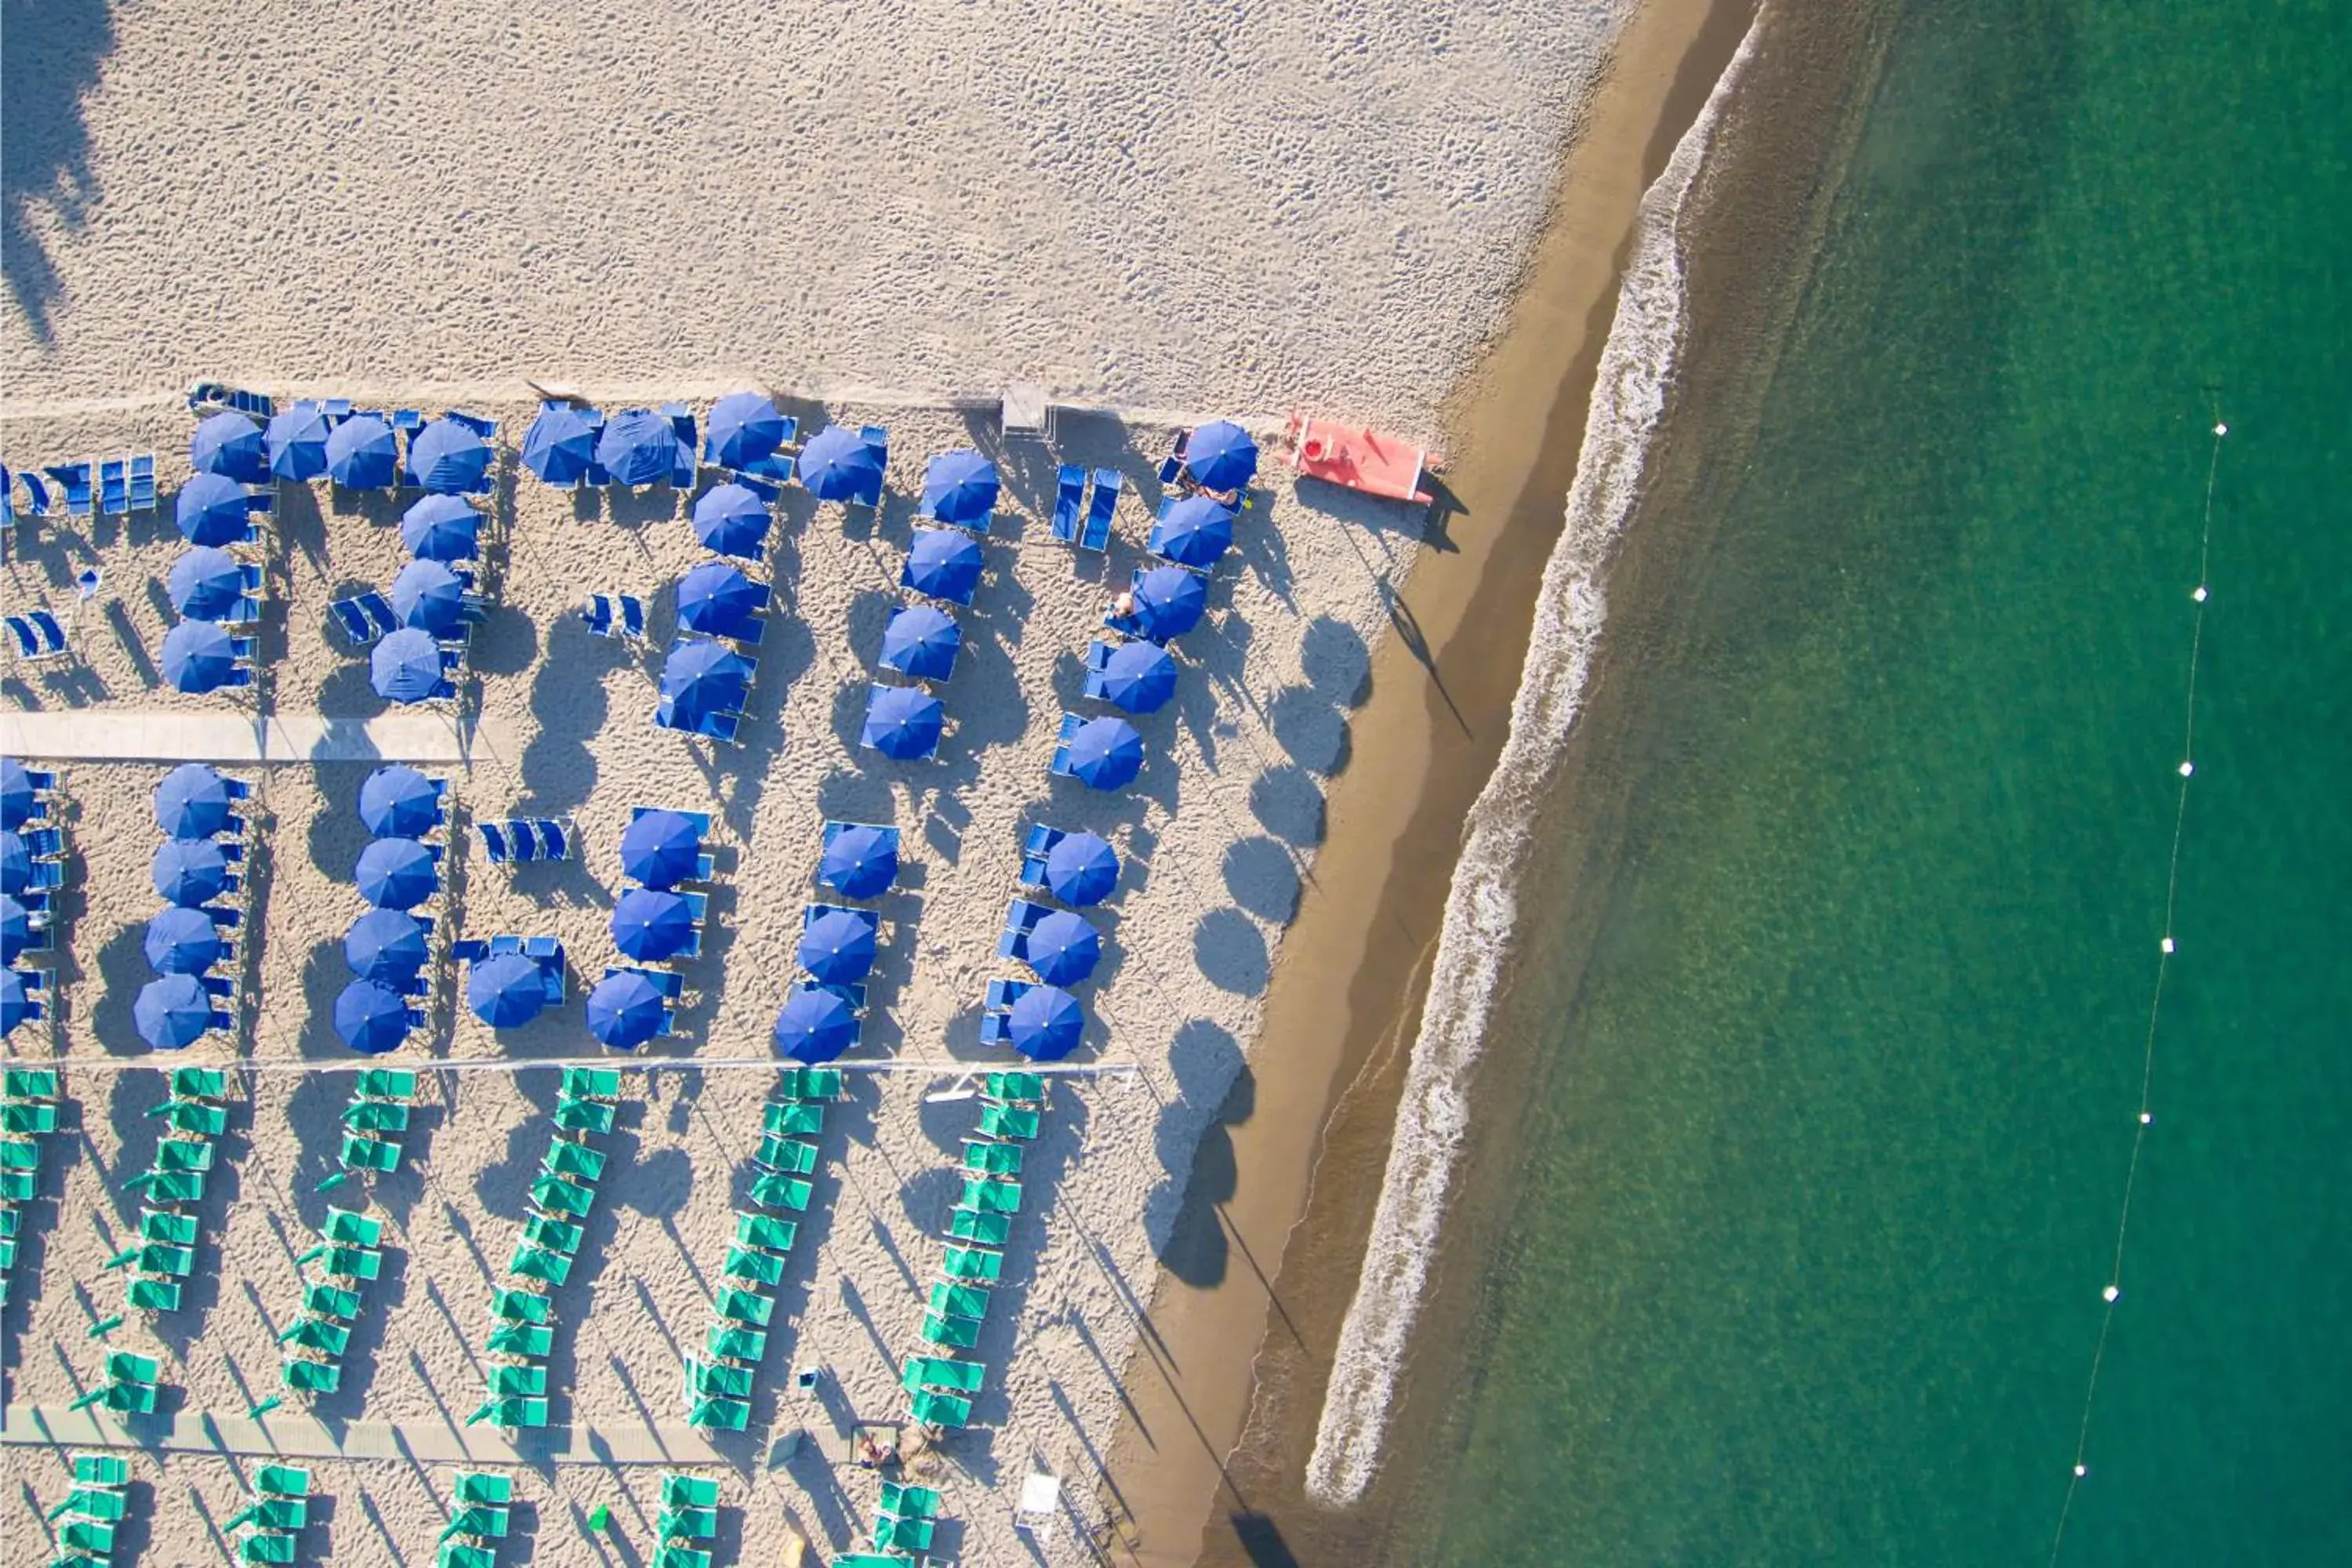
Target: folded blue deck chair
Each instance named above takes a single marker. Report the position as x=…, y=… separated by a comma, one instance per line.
x=38, y=635
x=1095, y=534
x=1070, y=495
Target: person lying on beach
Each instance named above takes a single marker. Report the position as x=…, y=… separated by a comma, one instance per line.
x=1123, y=605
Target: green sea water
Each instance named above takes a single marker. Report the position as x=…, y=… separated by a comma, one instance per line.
x=1823, y=1171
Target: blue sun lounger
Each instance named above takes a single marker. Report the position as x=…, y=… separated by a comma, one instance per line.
x=365, y=619
x=142, y=481
x=1095, y=533
x=1071, y=724
x=1070, y=495
x=877, y=441
x=74, y=479
x=217, y=396
x=37, y=635
x=1020, y=917
x=615, y=615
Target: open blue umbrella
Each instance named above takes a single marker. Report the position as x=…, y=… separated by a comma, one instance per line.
x=1046, y=1024
x=386, y=946
x=205, y=582
x=442, y=527
x=182, y=941
x=1106, y=753
x=701, y=678
x=902, y=722
x=16, y=928
x=638, y=447
x=744, y=430
x=922, y=642
x=1138, y=677
x=649, y=925
x=732, y=520
x=15, y=794
x=212, y=509
x=717, y=600
x=396, y=873
x=960, y=487
x=625, y=1010
x=231, y=446
x=371, y=1017
x=362, y=454
x=15, y=863
x=448, y=457
x=1196, y=532
x=406, y=667
x=1221, y=457
x=1170, y=600
x=173, y=1012
x=192, y=802
x=561, y=444
x=660, y=847
x=860, y=863
x=297, y=442
x=188, y=871
x=837, y=464
x=16, y=1004
x=1063, y=948
x=944, y=564
x=837, y=947
x=428, y=596
x=398, y=802
x=198, y=657
x=1081, y=870
x=815, y=1025
x=506, y=991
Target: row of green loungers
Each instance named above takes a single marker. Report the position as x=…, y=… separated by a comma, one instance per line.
x=87, y=1519
x=902, y=1527
x=27, y=1109
x=195, y=1114
x=689, y=1513
x=477, y=1519
x=347, y=1258
x=382, y=1100
x=268, y=1528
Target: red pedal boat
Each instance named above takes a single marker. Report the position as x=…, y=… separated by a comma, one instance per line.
x=1360, y=460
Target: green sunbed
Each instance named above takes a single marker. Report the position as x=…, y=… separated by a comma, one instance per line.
x=972, y=1224
x=352, y=1262
x=29, y=1119
x=162, y=1258
x=130, y=1366
x=174, y=1186
x=512, y=1382
x=903, y=1534
x=520, y=1338
x=100, y=1470
x=789, y=1155
x=101, y=1503
x=1017, y=1086
x=910, y=1501
x=514, y=1412
x=688, y=1523
x=803, y=1117
x=328, y=1338
x=8, y=1220
x=749, y=1263
x=810, y=1083
x=939, y=1409
x=370, y=1154
x=131, y=1398
x=18, y=1186
x=465, y=1554
x=330, y=1301
x=973, y=1263
x=277, y=1513
x=17, y=1156
x=310, y=1376
x=565, y=1158
x=585, y=1115
x=152, y=1295
x=951, y=1333
x=765, y=1230
x=265, y=1549
x=483, y=1487
x=513, y=1306
x=199, y=1083
x=162, y=1224
x=938, y=1371
x=90, y=1535
x=745, y=1307
x=560, y=1197
x=193, y=1117
x=673, y=1555
x=986, y=1158
x=873, y=1559
x=681, y=1491
x=724, y=1382
x=1007, y=1121
x=531, y=1262
x=553, y=1234
x=591, y=1083
x=376, y=1116
x=989, y=1196
x=386, y=1083
x=348, y=1228
x=735, y=1342
x=173, y=1155
x=733, y=1415
x=779, y=1191
x=29, y=1083
x=958, y=1300
x=478, y=1518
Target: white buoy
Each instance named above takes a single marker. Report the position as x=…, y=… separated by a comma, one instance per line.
x=2166, y=944
x=2221, y=429
x=2109, y=1294
x=2082, y=1470
x=2146, y=1117
x=2188, y=768
x=2199, y=595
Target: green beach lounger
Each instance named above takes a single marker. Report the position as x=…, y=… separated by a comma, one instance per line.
x=789, y=1155
x=565, y=1158
x=939, y=1409
x=199, y=1083
x=972, y=1224
x=1018, y=1088
x=765, y=1230
x=369, y=1154
x=280, y=1513
x=376, y=1116
x=18, y=1186
x=591, y=1083
x=130, y=1366
x=162, y=1224
x=991, y=1197
x=483, y=1487
x=193, y=1116
x=514, y=1413
x=265, y=1549
x=972, y=1263
x=903, y=1534
x=951, y=1333
x=987, y=1159
x=735, y=1342
x=131, y=1398
x=750, y=1263
x=178, y=1154
x=310, y=1376
x=352, y=1262
x=559, y=1196
x=787, y=1118
x=744, y=1307
x=17, y=1156
x=910, y=1502
x=28, y=1120
x=810, y=1083
x=553, y=1234
x=513, y=1306
x=733, y=1415
x=958, y=1300
x=349, y=1229
x=781, y=1192
x=29, y=1083
x=330, y=1301
x=152, y=1295
x=585, y=1115
x=465, y=1554
x=681, y=1491
x=520, y=1338
x=713, y=1381
x=173, y=1186
x=479, y=1520
x=937, y=1371
x=1007, y=1121
x=328, y=1338
x=688, y=1523
x=514, y=1382
x=872, y=1560
x=100, y=1470
x=673, y=1555
x=386, y=1083
x=531, y=1262
x=281, y=1480
x=101, y=1503
x=162, y=1258
x=90, y=1535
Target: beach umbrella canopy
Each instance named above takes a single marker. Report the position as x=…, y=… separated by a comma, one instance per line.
x=406, y=667
x=362, y=454
x=902, y=722
x=718, y=601
x=386, y=946
x=837, y=947
x=649, y=925
x=189, y=872
x=1138, y=677
x=16, y=928
x=1081, y=870
x=506, y=991
x=296, y=442
x=1170, y=600
x=15, y=862
x=211, y=509
x=561, y=444
x=638, y=447
x=960, y=487
x=1063, y=948
x=1221, y=457
x=192, y=802
x=442, y=527
x=447, y=457
x=625, y=1010
x=660, y=847
x=182, y=941
x=701, y=678
x=398, y=802
x=745, y=428
x=837, y=464
x=396, y=873
x=1046, y=1024
x=15, y=1004
x=732, y=520
x=205, y=582
x=922, y=642
x=944, y=564
x=15, y=794
x=198, y=657
x=860, y=863
x=815, y=1025
x=231, y=446
x=427, y=595
x=1106, y=753
x=172, y=1012
x=1196, y=532
x=371, y=1017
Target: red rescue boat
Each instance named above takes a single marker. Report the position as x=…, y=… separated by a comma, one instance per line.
x=1360, y=460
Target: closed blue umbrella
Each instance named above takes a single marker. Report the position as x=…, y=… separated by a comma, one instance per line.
x=1063, y=948
x=396, y=873
x=189, y=872
x=860, y=863
x=718, y=601
x=561, y=444
x=427, y=595
x=944, y=564
x=212, y=509
x=398, y=802
x=649, y=925
x=902, y=722
x=815, y=1025
x=16, y=928
x=173, y=1012
x=1106, y=753
x=922, y=642
x=638, y=447
x=837, y=464
x=198, y=657
x=448, y=457
x=15, y=1004
x=1170, y=600
x=837, y=947
x=701, y=678
x=960, y=487
x=297, y=442
x=1221, y=457
x=362, y=454
x=15, y=794
x=1081, y=870
x=192, y=802
x=660, y=847
x=1196, y=532
x=386, y=946
x=442, y=527
x=205, y=582
x=182, y=941
x=744, y=430
x=15, y=863
x=371, y=1017
x=732, y=520
x=625, y=1010
x=231, y=446
x=406, y=667
x=1046, y=1024
x=1138, y=677
x=506, y=991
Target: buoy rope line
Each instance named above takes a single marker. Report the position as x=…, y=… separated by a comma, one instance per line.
x=2112, y=1292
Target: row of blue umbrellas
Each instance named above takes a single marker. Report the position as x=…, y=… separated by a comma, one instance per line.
x=388, y=947
x=359, y=451
x=183, y=941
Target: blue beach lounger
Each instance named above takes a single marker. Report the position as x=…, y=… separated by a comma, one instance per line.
x=1096, y=532
x=1070, y=495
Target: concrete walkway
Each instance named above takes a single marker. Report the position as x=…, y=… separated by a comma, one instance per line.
x=107, y=734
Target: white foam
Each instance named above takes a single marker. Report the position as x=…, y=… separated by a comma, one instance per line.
x=1637, y=366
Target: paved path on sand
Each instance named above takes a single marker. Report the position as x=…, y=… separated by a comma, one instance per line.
x=105, y=734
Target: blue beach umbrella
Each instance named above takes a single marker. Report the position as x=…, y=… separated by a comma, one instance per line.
x=506, y=991
x=960, y=487
x=637, y=448
x=212, y=509
x=649, y=925
x=182, y=941
x=15, y=794
x=448, y=457
x=15, y=1004
x=717, y=600
x=1196, y=532
x=386, y=946
x=837, y=464
x=398, y=802
x=1106, y=753
x=1063, y=948
x=660, y=847
x=15, y=863
x=625, y=1010
x=732, y=520
x=189, y=872
x=1169, y=601
x=396, y=873
x=837, y=947
x=1221, y=457
x=1081, y=870
x=922, y=642
x=814, y=1026
x=860, y=863
x=1046, y=1024
x=297, y=442
x=371, y=1017
x=406, y=667
x=1138, y=677
x=205, y=582
x=198, y=657
x=944, y=564
x=192, y=802
x=231, y=446
x=701, y=678
x=902, y=722
x=745, y=428
x=16, y=928
x=428, y=596
x=173, y=1012
x=442, y=527
x=362, y=454
x=561, y=445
